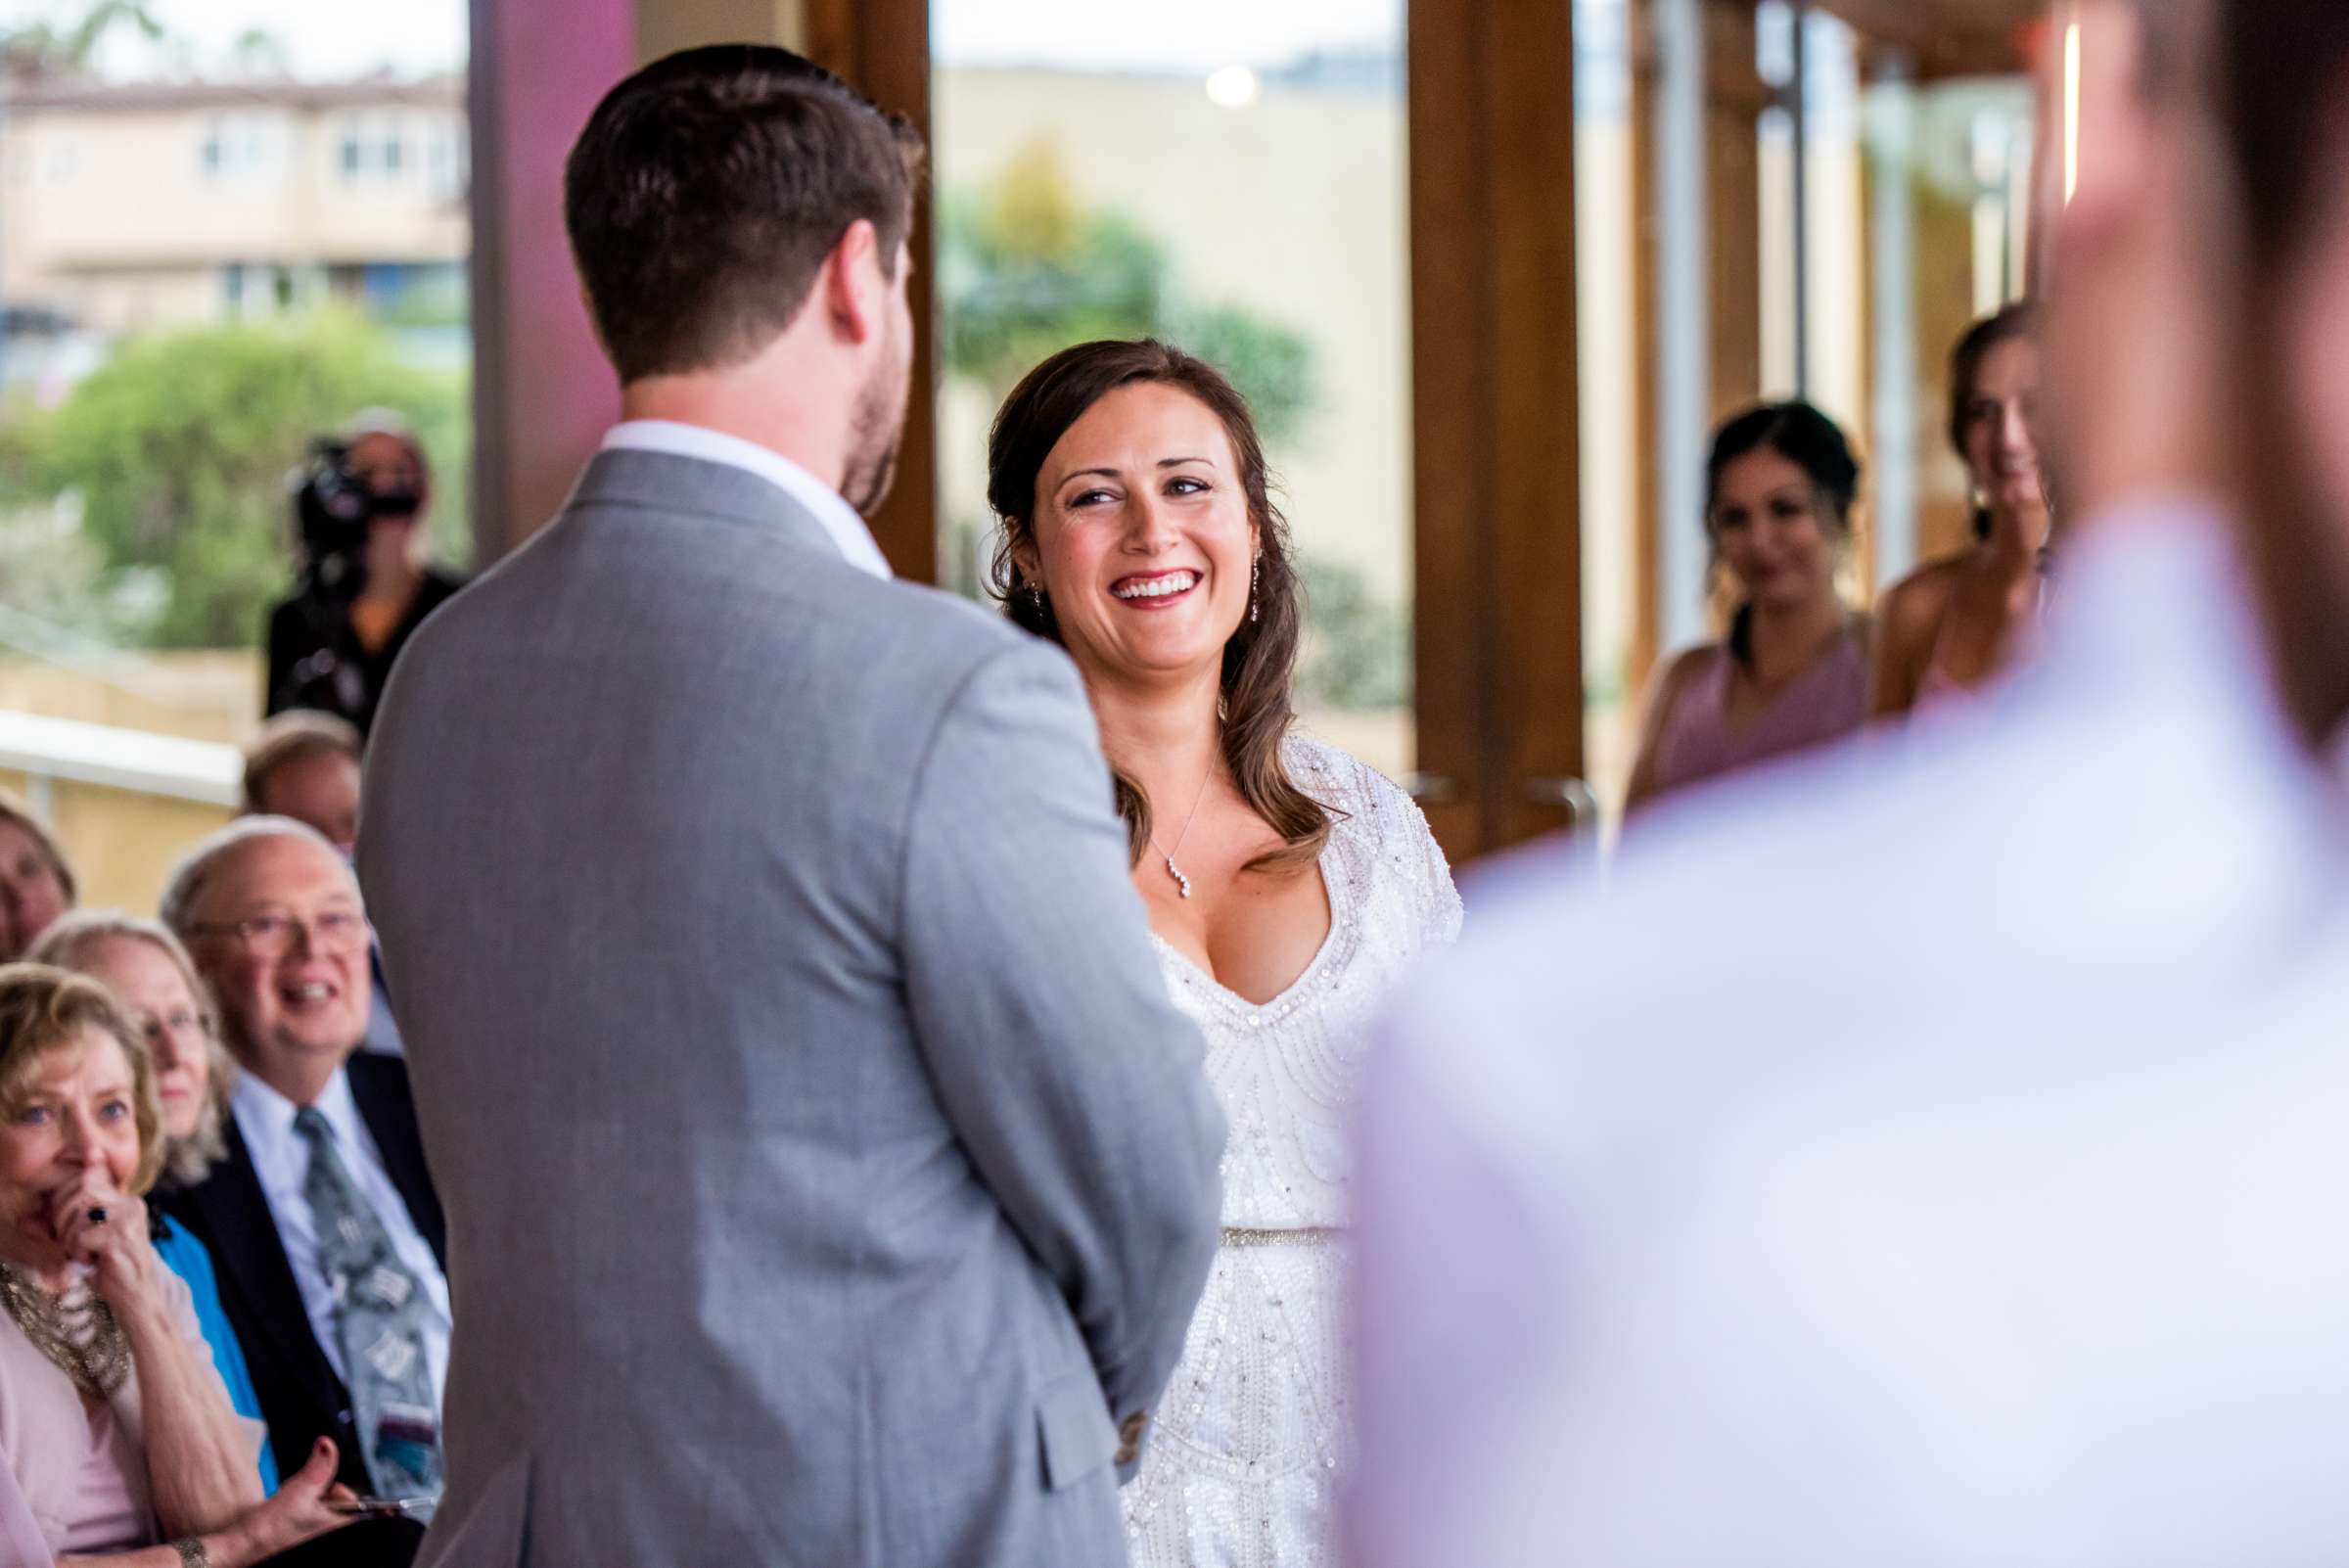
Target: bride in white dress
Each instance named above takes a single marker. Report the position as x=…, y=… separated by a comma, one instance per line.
x=1288, y=884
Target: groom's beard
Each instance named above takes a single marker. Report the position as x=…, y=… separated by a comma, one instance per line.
x=875, y=432
x=866, y=484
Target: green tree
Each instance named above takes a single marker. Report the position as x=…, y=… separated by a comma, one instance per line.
x=1357, y=648
x=177, y=451
x=1025, y=270
x=67, y=48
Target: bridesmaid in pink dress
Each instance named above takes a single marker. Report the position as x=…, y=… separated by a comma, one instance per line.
x=1953, y=627
x=1792, y=672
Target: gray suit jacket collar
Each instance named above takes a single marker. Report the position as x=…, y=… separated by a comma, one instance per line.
x=672, y=484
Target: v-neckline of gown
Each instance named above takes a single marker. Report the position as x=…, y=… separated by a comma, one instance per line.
x=1312, y=967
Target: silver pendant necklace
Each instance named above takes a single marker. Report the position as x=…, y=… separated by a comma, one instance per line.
x=1181, y=881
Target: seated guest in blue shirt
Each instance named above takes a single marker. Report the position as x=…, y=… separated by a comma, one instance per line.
x=155, y=979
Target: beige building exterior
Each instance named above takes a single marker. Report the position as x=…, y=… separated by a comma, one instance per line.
x=129, y=206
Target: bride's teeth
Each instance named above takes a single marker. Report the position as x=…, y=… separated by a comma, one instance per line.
x=1160, y=587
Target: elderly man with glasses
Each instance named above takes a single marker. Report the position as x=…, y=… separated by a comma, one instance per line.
x=321, y=1219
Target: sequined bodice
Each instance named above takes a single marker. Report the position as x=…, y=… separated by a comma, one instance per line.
x=1248, y=1434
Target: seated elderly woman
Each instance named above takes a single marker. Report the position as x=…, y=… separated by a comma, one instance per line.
x=114, y=1428
x=156, y=983
x=36, y=881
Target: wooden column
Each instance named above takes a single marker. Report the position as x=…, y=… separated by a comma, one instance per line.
x=665, y=27
x=882, y=46
x=1498, y=656
x=1735, y=97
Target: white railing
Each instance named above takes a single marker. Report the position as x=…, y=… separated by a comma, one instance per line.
x=50, y=751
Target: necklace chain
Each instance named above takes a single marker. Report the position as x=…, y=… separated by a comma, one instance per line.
x=83, y=1339
x=1181, y=881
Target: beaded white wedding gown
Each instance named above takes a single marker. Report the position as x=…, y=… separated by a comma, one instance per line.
x=1245, y=1446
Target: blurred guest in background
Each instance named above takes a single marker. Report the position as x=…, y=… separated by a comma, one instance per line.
x=154, y=981
x=1792, y=672
x=1951, y=626
x=1932, y=1158
x=321, y=1218
x=113, y=1424
x=304, y=765
x=334, y=651
x=36, y=881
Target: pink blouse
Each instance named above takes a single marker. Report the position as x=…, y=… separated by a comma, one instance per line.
x=110, y=1512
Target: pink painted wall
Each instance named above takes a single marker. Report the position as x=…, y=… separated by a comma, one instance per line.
x=544, y=393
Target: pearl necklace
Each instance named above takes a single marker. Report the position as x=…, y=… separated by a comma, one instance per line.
x=77, y=1331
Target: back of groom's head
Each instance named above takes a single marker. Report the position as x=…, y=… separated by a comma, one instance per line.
x=707, y=190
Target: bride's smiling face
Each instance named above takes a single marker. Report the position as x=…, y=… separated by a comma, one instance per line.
x=1141, y=535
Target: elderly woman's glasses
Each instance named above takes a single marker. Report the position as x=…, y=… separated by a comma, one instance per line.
x=270, y=934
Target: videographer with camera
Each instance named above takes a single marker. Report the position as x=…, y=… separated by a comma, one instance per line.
x=363, y=587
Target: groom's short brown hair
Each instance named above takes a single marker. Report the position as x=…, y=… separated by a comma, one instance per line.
x=705, y=192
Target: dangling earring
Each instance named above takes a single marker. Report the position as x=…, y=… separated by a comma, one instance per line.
x=1036, y=596
x=1254, y=567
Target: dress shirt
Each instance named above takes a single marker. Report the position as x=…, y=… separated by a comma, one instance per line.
x=281, y=1160
x=1925, y=1155
x=837, y=519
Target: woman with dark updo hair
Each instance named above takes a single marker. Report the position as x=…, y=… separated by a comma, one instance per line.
x=1792, y=672
x=1287, y=884
x=1951, y=627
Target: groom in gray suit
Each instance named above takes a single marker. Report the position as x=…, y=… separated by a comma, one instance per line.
x=829, y=1181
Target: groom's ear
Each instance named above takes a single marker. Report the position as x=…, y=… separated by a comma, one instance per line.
x=854, y=293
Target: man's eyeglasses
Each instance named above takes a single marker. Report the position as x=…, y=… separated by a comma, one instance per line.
x=270, y=934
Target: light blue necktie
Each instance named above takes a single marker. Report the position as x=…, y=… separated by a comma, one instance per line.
x=379, y=1311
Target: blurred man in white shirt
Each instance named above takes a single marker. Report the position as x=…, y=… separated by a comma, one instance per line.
x=1929, y=1157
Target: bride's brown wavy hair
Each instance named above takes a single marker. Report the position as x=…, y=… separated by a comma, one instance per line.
x=1260, y=662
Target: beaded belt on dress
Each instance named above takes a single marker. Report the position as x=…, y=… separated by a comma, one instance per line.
x=1307, y=1236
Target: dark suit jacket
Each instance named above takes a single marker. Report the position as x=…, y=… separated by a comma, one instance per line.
x=301, y=1398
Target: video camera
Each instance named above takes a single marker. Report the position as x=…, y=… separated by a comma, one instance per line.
x=332, y=510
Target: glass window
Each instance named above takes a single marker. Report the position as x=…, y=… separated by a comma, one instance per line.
x=167, y=352
x=1835, y=206
x=1237, y=186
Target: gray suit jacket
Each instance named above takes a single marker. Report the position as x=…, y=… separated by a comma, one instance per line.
x=826, y=1171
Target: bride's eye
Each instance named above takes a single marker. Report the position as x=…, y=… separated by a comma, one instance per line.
x=1185, y=485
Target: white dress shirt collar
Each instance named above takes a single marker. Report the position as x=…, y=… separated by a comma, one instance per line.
x=267, y=1118
x=837, y=518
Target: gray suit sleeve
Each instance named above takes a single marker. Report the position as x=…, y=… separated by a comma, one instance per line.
x=1078, y=1089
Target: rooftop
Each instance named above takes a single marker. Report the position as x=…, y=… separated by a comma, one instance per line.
x=76, y=95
